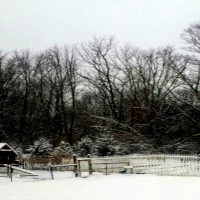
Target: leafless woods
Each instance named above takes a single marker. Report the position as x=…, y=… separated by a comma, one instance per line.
x=100, y=86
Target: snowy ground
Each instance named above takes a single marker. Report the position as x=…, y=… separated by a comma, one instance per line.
x=100, y=187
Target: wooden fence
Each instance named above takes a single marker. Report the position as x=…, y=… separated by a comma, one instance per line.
x=166, y=165
x=160, y=164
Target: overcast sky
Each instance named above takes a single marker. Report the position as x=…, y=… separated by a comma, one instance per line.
x=40, y=24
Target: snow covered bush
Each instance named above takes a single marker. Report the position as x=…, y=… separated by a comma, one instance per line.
x=180, y=148
x=124, y=149
x=41, y=148
x=84, y=146
x=63, y=151
x=187, y=148
x=142, y=148
x=64, y=147
x=104, y=145
x=168, y=149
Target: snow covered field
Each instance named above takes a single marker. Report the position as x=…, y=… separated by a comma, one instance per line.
x=100, y=187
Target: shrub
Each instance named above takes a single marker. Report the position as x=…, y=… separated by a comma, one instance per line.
x=142, y=148
x=85, y=146
x=123, y=149
x=104, y=145
x=63, y=151
x=41, y=148
x=64, y=147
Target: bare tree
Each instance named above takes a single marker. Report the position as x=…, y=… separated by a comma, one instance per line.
x=61, y=81
x=188, y=71
x=8, y=90
x=27, y=71
x=102, y=79
x=149, y=82
x=191, y=37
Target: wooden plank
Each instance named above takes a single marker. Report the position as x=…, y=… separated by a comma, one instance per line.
x=110, y=163
x=28, y=175
x=66, y=165
x=21, y=170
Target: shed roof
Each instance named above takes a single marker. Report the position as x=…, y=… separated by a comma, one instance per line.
x=2, y=145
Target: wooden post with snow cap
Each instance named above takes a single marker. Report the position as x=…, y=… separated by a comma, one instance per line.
x=89, y=164
x=75, y=166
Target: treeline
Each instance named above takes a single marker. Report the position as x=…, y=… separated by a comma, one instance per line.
x=101, y=87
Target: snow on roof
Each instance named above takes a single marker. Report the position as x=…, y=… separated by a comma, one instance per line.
x=2, y=145
x=5, y=144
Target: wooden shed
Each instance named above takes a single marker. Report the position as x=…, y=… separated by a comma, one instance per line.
x=7, y=154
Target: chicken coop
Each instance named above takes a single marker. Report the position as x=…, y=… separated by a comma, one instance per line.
x=7, y=154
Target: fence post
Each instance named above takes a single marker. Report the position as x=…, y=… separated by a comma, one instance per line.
x=11, y=170
x=8, y=170
x=79, y=168
x=106, y=169
x=51, y=171
x=89, y=164
x=75, y=167
x=23, y=164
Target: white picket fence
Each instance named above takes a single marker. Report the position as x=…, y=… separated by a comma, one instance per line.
x=168, y=165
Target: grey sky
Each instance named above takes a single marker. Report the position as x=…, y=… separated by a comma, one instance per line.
x=39, y=24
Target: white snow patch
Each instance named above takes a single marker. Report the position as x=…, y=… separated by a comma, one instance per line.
x=100, y=187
